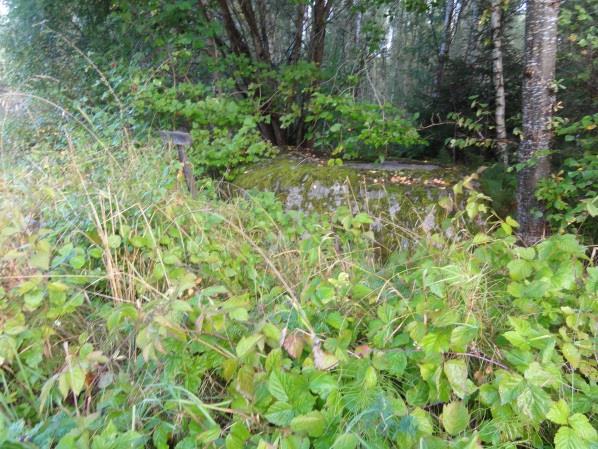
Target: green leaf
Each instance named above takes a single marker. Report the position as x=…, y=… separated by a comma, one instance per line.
x=72, y=380
x=246, y=344
x=77, y=262
x=160, y=436
x=559, y=412
x=455, y=418
x=57, y=292
x=278, y=386
x=461, y=336
x=41, y=257
x=567, y=438
x=456, y=373
x=394, y=362
x=370, y=378
x=572, y=354
x=536, y=375
x=114, y=241
x=33, y=300
x=534, y=403
x=582, y=427
x=436, y=342
x=312, y=423
x=424, y=422
x=346, y=441
x=280, y=413
x=210, y=435
x=509, y=386
x=237, y=436
x=519, y=269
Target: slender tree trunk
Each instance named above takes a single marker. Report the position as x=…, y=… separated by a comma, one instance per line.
x=538, y=103
x=321, y=10
x=298, y=38
x=444, y=47
x=473, y=40
x=358, y=52
x=496, y=22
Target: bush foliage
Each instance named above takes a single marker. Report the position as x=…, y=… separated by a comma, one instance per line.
x=133, y=316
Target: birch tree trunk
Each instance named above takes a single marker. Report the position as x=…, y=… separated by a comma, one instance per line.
x=444, y=47
x=496, y=23
x=538, y=104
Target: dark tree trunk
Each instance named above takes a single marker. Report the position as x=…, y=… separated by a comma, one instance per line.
x=298, y=38
x=237, y=43
x=444, y=47
x=321, y=10
x=270, y=131
x=473, y=40
x=538, y=103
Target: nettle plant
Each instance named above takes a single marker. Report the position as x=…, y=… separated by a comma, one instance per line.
x=224, y=130
x=351, y=130
x=182, y=323
x=571, y=194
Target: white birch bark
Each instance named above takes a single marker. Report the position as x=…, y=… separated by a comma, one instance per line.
x=496, y=22
x=538, y=104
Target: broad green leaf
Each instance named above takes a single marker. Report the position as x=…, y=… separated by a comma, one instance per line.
x=394, y=362
x=346, y=441
x=572, y=354
x=536, y=375
x=567, y=438
x=312, y=423
x=237, y=436
x=534, y=403
x=436, y=342
x=456, y=373
x=210, y=435
x=160, y=436
x=294, y=442
x=246, y=344
x=455, y=418
x=57, y=292
x=114, y=241
x=323, y=384
x=33, y=300
x=370, y=378
x=509, y=386
x=461, y=336
x=559, y=412
x=72, y=380
x=519, y=269
x=280, y=413
x=278, y=385
x=424, y=422
x=582, y=427
x=77, y=261
x=41, y=257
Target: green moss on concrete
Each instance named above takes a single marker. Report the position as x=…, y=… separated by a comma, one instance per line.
x=401, y=196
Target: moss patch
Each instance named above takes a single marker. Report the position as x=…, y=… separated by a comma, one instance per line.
x=403, y=196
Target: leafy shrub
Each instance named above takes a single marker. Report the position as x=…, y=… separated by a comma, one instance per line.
x=359, y=130
x=166, y=322
x=571, y=195
x=224, y=130
x=499, y=184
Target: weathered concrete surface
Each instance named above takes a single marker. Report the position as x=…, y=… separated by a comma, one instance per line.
x=402, y=192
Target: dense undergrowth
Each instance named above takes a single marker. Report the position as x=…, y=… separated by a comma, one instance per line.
x=134, y=316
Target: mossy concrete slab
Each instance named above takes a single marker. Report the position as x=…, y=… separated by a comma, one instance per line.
x=401, y=191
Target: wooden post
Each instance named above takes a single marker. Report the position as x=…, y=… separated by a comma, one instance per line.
x=182, y=140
